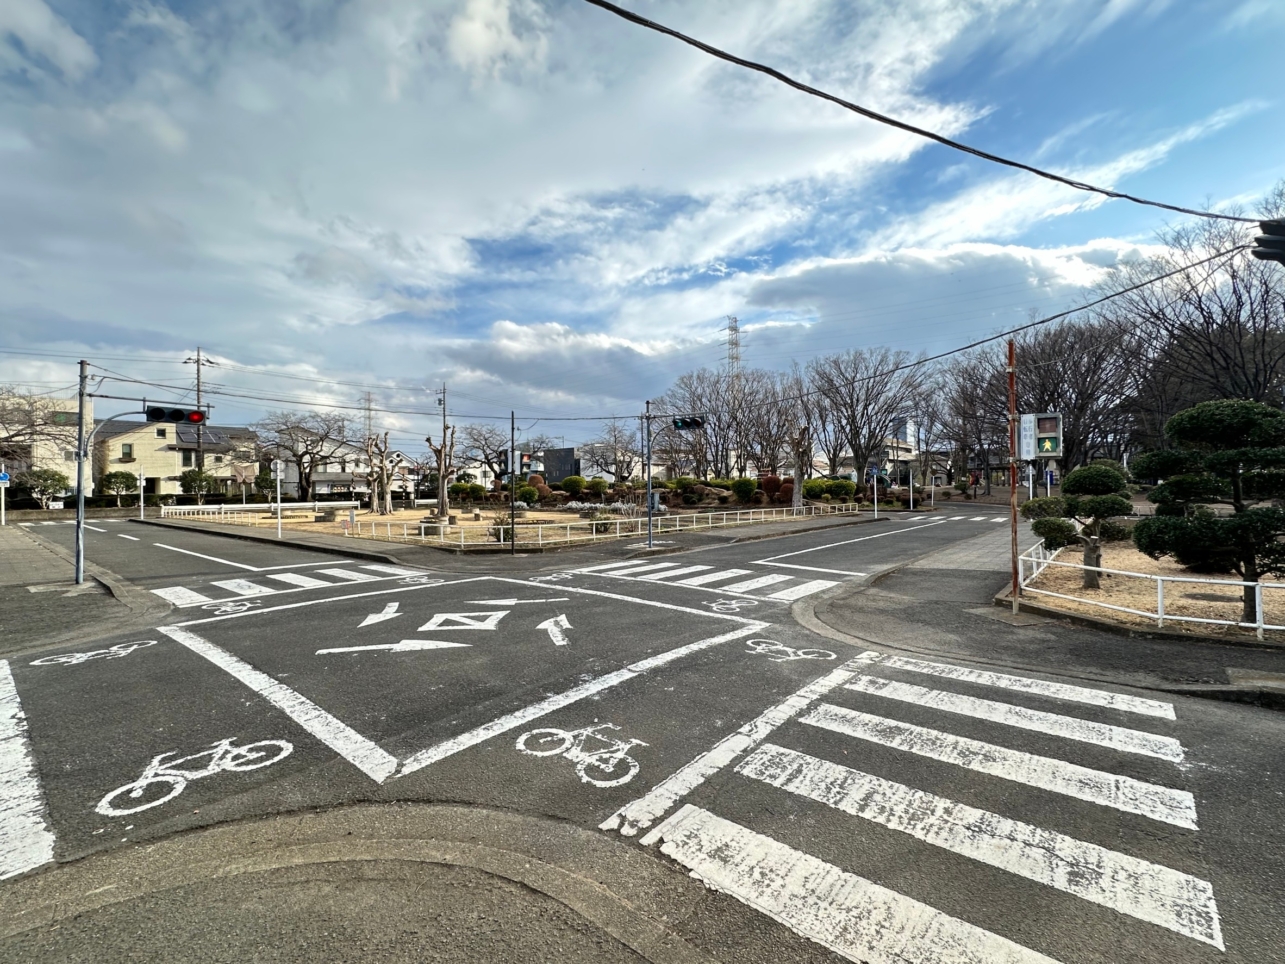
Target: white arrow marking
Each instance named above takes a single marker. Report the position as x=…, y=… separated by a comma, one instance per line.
x=516, y=602
x=390, y=612
x=555, y=627
x=405, y=646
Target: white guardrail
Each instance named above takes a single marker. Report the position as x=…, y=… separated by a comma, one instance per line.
x=1035, y=560
x=251, y=510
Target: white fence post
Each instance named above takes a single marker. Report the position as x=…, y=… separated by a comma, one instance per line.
x=1258, y=607
x=1160, y=601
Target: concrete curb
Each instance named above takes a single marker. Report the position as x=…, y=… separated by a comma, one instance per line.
x=231, y=533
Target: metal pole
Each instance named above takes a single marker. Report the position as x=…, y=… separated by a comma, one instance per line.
x=2, y=494
x=910, y=477
x=647, y=456
x=142, y=484
x=200, y=433
x=513, y=488
x=80, y=476
x=874, y=481
x=277, y=473
x=1012, y=465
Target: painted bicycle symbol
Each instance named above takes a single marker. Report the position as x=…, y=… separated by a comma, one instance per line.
x=169, y=778
x=554, y=577
x=420, y=581
x=730, y=605
x=111, y=652
x=780, y=653
x=612, y=762
x=231, y=606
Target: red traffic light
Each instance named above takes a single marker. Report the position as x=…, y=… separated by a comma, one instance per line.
x=193, y=416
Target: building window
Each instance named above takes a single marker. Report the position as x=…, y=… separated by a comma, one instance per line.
x=127, y=450
x=69, y=455
x=218, y=458
x=160, y=433
x=187, y=459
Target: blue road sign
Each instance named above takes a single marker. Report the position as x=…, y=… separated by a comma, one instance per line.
x=4, y=476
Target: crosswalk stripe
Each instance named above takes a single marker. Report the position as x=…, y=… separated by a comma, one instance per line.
x=26, y=842
x=296, y=579
x=713, y=577
x=769, y=580
x=671, y=573
x=1039, y=687
x=348, y=574
x=632, y=570
x=803, y=589
x=181, y=595
x=1069, y=727
x=1177, y=807
x=1125, y=884
x=978, y=518
x=1001, y=518
x=242, y=587
x=848, y=914
x=607, y=565
x=393, y=570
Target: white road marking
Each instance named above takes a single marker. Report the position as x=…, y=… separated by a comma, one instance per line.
x=182, y=596
x=713, y=577
x=846, y=542
x=348, y=574
x=805, y=589
x=647, y=568
x=978, y=518
x=243, y=587
x=1039, y=687
x=1068, y=727
x=394, y=570
x=122, y=535
x=446, y=748
x=95, y=528
x=295, y=579
x=201, y=555
x=517, y=602
x=405, y=646
x=556, y=628
x=1001, y=518
x=26, y=841
x=1177, y=807
x=489, y=620
x=770, y=579
x=1127, y=885
x=368, y=757
x=390, y=612
x=643, y=812
x=607, y=565
x=836, y=572
x=848, y=914
x=26, y=525
x=686, y=570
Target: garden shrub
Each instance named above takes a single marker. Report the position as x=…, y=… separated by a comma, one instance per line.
x=841, y=489
x=528, y=494
x=744, y=489
x=573, y=485
x=544, y=492
x=535, y=480
x=814, y=488
x=786, y=495
x=1055, y=532
x=771, y=484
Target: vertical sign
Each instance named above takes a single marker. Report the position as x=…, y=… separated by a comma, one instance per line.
x=1026, y=438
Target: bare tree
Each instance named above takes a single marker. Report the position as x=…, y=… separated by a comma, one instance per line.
x=30, y=421
x=379, y=475
x=615, y=449
x=870, y=390
x=309, y=440
x=444, y=454
x=487, y=444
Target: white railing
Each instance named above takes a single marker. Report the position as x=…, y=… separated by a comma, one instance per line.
x=1035, y=560
x=221, y=512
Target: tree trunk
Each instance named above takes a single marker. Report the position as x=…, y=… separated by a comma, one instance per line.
x=1092, y=561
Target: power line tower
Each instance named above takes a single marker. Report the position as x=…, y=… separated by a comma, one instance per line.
x=370, y=415
x=733, y=330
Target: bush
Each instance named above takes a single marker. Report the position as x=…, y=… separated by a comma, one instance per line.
x=1044, y=508
x=814, y=488
x=596, y=487
x=457, y=490
x=573, y=485
x=744, y=489
x=528, y=494
x=476, y=492
x=786, y=495
x=545, y=493
x=1113, y=531
x=684, y=483
x=691, y=498
x=961, y=485
x=535, y=480
x=1055, y=532
x=771, y=484
x=841, y=489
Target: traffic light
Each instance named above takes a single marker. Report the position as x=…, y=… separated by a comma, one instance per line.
x=526, y=462
x=1270, y=245
x=192, y=416
x=1048, y=436
x=684, y=422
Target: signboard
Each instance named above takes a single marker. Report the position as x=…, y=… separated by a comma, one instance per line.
x=4, y=483
x=278, y=467
x=1040, y=436
x=1026, y=438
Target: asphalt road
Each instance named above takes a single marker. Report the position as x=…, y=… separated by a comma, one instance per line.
x=864, y=802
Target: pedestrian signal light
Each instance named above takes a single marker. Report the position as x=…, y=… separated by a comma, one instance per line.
x=1270, y=245
x=1048, y=435
x=192, y=416
x=684, y=422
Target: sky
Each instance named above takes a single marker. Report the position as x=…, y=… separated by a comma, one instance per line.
x=553, y=211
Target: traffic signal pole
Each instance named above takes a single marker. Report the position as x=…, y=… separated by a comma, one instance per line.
x=513, y=483
x=647, y=467
x=1012, y=468
x=80, y=474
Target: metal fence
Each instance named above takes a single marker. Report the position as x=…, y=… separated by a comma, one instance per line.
x=1037, y=559
x=251, y=510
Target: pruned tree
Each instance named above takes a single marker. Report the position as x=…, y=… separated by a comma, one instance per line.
x=309, y=440
x=379, y=474
x=44, y=485
x=199, y=483
x=118, y=483
x=444, y=456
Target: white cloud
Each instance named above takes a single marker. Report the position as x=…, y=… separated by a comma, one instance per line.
x=45, y=36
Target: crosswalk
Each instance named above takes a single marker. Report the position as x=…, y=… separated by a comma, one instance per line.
x=240, y=589
x=873, y=709
x=710, y=578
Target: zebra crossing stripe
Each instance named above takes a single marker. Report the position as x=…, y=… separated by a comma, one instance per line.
x=394, y=570
x=1177, y=807
x=850, y=915
x=1068, y=727
x=1039, y=687
x=348, y=574
x=671, y=573
x=648, y=568
x=1128, y=885
x=713, y=577
x=181, y=596
x=803, y=589
x=769, y=580
x=644, y=811
x=26, y=842
x=297, y=579
x=606, y=565
x=243, y=587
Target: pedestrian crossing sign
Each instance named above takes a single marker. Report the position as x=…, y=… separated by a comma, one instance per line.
x=1049, y=446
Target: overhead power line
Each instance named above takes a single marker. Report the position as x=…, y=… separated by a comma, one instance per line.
x=899, y=124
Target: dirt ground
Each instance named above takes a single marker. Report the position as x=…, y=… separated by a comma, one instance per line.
x=1181, y=599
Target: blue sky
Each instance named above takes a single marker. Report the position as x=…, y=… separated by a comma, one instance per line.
x=553, y=210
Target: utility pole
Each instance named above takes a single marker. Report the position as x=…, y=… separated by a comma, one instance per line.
x=80, y=473
x=513, y=487
x=646, y=420
x=1012, y=467
x=198, y=361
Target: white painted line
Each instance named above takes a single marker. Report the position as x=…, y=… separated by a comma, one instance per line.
x=978, y=518
x=348, y=574
x=339, y=736
x=656, y=802
x=670, y=574
x=389, y=612
x=1128, y=885
x=26, y=841
x=394, y=570
x=634, y=600
x=26, y=525
x=1068, y=727
x=648, y=568
x=607, y=565
x=511, y=721
x=181, y=596
x=805, y=589
x=130, y=538
x=713, y=577
x=517, y=602
x=850, y=915
x=1177, y=807
x=769, y=580
x=1039, y=687
x=243, y=587
x=405, y=646
x=846, y=542
x=1001, y=518
x=295, y=579
x=95, y=528
x=200, y=555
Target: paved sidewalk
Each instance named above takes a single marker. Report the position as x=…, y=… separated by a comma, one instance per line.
x=25, y=562
x=990, y=552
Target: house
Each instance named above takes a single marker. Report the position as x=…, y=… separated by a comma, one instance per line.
x=41, y=434
x=160, y=452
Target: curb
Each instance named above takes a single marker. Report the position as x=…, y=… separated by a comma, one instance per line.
x=227, y=533
x=140, y=603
